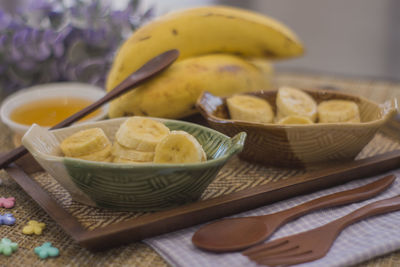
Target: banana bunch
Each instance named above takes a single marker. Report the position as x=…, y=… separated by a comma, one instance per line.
x=91, y=144
x=137, y=140
x=293, y=106
x=222, y=50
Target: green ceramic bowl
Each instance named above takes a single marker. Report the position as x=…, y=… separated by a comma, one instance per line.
x=121, y=186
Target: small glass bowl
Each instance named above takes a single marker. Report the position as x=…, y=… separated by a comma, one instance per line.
x=49, y=91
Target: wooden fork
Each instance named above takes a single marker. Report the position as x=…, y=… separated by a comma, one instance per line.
x=314, y=244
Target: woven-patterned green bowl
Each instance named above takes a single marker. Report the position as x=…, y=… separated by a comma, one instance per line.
x=141, y=187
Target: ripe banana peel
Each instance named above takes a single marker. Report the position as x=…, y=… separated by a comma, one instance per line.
x=174, y=92
x=195, y=33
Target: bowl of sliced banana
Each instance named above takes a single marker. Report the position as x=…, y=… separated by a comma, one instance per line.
x=300, y=128
x=135, y=163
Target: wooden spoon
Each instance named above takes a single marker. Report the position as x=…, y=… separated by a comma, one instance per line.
x=240, y=233
x=148, y=70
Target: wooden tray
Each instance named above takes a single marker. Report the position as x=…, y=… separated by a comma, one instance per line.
x=151, y=224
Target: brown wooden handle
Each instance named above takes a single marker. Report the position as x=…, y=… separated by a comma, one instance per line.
x=340, y=198
x=11, y=156
x=372, y=209
x=147, y=71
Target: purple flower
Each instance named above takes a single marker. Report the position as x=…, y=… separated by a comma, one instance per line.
x=48, y=40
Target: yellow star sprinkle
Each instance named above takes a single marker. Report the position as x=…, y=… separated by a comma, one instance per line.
x=33, y=227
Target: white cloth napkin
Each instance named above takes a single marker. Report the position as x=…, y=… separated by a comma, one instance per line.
x=357, y=243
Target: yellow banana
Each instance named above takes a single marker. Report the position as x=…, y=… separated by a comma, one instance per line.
x=263, y=65
x=205, y=30
x=173, y=93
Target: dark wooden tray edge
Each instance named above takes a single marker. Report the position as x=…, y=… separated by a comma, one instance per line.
x=202, y=211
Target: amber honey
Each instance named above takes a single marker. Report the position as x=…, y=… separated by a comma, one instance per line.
x=49, y=112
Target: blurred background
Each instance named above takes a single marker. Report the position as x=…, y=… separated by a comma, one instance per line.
x=350, y=38
x=45, y=40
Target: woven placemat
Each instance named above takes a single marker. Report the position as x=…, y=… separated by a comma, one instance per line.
x=235, y=176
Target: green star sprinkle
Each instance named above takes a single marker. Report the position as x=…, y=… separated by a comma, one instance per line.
x=46, y=250
x=7, y=247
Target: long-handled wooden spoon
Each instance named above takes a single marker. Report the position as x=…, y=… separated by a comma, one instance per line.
x=240, y=233
x=148, y=70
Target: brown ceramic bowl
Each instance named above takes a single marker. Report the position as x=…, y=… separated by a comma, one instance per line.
x=300, y=145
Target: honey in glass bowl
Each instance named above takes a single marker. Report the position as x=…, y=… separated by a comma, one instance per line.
x=49, y=112
x=49, y=104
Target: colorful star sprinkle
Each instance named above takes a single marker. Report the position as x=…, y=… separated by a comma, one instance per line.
x=7, y=219
x=46, y=250
x=7, y=202
x=7, y=247
x=33, y=227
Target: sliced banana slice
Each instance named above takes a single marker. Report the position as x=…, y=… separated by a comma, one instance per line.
x=250, y=108
x=109, y=159
x=338, y=111
x=292, y=101
x=120, y=151
x=179, y=147
x=122, y=160
x=278, y=117
x=293, y=119
x=102, y=155
x=84, y=142
x=141, y=133
x=204, y=155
